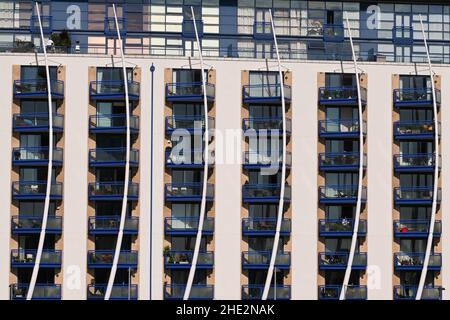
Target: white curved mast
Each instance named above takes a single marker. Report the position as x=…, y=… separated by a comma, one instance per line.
x=49, y=168
x=426, y=261
x=276, y=239
x=198, y=239
x=351, y=256
x=123, y=213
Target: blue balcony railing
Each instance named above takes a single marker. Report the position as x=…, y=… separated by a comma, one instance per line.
x=415, y=261
x=341, y=227
x=341, y=194
x=333, y=33
x=112, y=191
x=269, y=93
x=198, y=292
x=190, y=123
x=415, y=195
x=339, y=260
x=188, y=29
x=341, y=128
x=111, y=225
x=264, y=193
x=269, y=124
x=255, y=292
x=37, y=89
x=19, y=291
x=188, y=192
x=341, y=96
x=409, y=292
x=29, y=190
x=112, y=90
x=415, y=97
x=415, y=130
x=421, y=162
x=36, y=156
x=333, y=292
x=265, y=226
x=112, y=157
x=187, y=226
x=262, y=30
x=343, y=161
x=182, y=259
x=112, y=123
x=21, y=258
x=189, y=91
x=104, y=259
x=118, y=292
x=36, y=122
x=258, y=160
x=26, y=224
x=261, y=259
x=416, y=228
x=186, y=159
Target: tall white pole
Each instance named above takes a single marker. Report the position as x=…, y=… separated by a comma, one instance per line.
x=426, y=261
x=351, y=255
x=276, y=239
x=123, y=214
x=198, y=239
x=37, y=262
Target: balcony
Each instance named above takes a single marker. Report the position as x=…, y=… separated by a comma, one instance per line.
x=113, y=123
x=36, y=190
x=333, y=292
x=118, y=292
x=18, y=291
x=188, y=192
x=415, y=260
x=409, y=292
x=255, y=292
x=415, y=195
x=112, y=157
x=111, y=224
x=189, y=91
x=416, y=228
x=261, y=260
x=186, y=159
x=198, y=292
x=21, y=258
x=37, y=89
x=333, y=33
x=104, y=259
x=423, y=162
x=36, y=156
x=262, y=30
x=187, y=226
x=339, y=261
x=191, y=124
x=340, y=129
x=265, y=227
x=260, y=160
x=260, y=193
x=341, y=194
x=416, y=97
x=341, y=227
x=113, y=90
x=24, y=224
x=37, y=122
x=341, y=96
x=270, y=125
x=345, y=161
x=188, y=29
x=174, y=259
x=265, y=93
x=415, y=130
x=112, y=191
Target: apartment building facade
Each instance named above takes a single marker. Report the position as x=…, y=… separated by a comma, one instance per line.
x=324, y=176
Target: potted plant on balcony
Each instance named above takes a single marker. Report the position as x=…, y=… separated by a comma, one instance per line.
x=62, y=41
